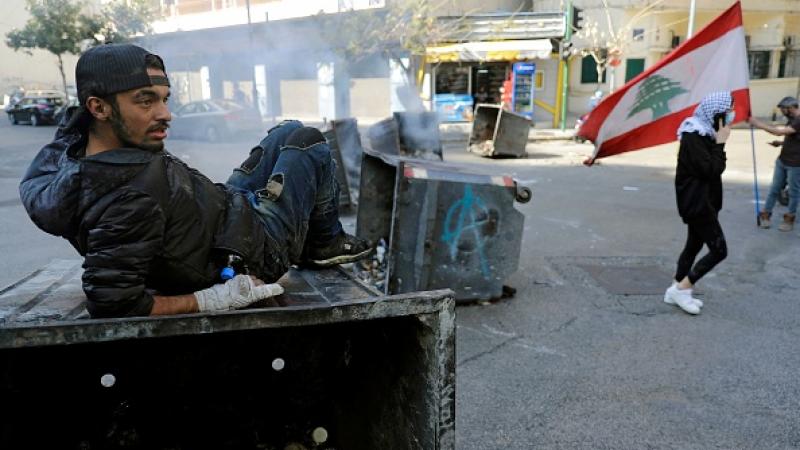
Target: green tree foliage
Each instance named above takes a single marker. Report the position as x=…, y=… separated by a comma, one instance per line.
x=61, y=27
x=121, y=20
x=654, y=94
x=55, y=26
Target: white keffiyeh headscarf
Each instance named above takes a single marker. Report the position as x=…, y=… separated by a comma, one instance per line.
x=702, y=121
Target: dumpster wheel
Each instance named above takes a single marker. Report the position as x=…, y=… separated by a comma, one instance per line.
x=524, y=194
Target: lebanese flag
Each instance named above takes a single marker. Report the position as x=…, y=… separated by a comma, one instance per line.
x=647, y=110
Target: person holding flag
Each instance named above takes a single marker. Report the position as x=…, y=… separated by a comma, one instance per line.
x=647, y=111
x=698, y=191
x=787, y=166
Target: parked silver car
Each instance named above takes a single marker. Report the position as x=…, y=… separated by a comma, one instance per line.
x=214, y=120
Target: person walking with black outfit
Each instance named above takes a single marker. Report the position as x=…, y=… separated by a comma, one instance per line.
x=698, y=191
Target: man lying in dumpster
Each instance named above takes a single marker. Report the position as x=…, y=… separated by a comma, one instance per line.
x=157, y=236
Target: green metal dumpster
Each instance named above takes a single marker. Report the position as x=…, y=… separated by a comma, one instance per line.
x=412, y=134
x=446, y=226
x=345, y=144
x=327, y=365
x=497, y=132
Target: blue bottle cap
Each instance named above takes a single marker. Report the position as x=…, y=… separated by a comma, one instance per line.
x=227, y=273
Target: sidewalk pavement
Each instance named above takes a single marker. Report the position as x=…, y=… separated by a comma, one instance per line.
x=455, y=131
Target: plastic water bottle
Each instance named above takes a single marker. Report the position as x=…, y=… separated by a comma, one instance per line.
x=229, y=271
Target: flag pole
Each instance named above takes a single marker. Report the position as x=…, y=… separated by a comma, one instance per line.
x=755, y=177
x=692, y=8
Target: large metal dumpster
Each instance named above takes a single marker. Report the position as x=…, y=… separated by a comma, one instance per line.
x=497, y=132
x=413, y=134
x=446, y=227
x=334, y=367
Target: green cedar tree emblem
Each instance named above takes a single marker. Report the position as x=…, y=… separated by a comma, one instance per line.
x=654, y=94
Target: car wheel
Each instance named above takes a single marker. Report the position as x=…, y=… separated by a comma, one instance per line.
x=13, y=119
x=212, y=134
x=34, y=120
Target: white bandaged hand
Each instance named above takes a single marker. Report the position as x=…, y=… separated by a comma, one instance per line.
x=238, y=292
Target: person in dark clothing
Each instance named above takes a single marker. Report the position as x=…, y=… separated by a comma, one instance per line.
x=698, y=191
x=157, y=236
x=787, y=166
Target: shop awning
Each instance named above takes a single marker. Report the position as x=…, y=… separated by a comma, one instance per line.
x=491, y=51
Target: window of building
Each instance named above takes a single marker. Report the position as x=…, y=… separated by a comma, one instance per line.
x=223, y=4
x=452, y=79
x=758, y=61
x=193, y=6
x=638, y=34
x=589, y=71
x=633, y=67
x=789, y=64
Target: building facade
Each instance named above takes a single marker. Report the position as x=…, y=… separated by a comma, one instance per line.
x=651, y=29
x=278, y=55
x=498, y=58
x=277, y=52
x=188, y=15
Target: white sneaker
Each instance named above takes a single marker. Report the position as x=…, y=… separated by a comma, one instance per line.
x=668, y=300
x=682, y=298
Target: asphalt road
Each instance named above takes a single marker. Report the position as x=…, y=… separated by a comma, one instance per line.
x=575, y=360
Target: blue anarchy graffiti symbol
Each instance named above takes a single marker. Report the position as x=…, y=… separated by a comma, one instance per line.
x=467, y=215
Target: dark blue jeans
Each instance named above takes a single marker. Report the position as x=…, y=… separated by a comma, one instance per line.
x=782, y=175
x=293, y=190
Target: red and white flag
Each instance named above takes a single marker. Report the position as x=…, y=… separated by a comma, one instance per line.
x=647, y=110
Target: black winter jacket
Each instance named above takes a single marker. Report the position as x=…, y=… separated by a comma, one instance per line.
x=698, y=177
x=143, y=221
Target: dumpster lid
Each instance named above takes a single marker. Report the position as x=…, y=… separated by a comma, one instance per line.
x=423, y=169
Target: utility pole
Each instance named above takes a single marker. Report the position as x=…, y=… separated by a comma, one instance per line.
x=565, y=61
x=692, y=7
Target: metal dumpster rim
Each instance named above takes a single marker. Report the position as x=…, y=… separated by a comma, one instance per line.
x=88, y=331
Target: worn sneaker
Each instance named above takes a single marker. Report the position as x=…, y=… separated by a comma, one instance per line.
x=682, y=298
x=788, y=222
x=344, y=249
x=763, y=219
x=668, y=298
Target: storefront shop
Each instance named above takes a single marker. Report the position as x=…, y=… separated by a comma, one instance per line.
x=464, y=75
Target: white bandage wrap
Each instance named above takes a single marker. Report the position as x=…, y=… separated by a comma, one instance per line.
x=238, y=292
